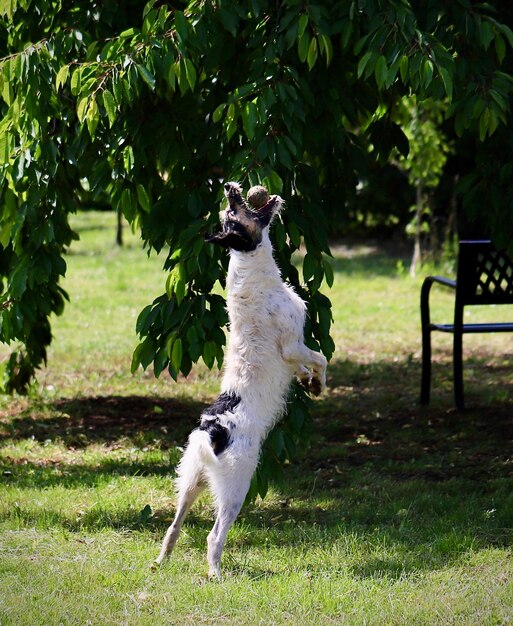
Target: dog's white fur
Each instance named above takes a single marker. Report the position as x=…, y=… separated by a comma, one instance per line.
x=265, y=350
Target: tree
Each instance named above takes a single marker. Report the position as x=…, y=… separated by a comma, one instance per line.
x=153, y=105
x=425, y=163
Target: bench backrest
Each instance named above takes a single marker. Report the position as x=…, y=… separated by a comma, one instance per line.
x=485, y=275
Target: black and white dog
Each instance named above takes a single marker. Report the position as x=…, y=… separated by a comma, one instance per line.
x=265, y=350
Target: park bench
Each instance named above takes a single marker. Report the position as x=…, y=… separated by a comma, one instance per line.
x=484, y=276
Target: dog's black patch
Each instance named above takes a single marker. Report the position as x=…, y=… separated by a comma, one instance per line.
x=233, y=240
x=233, y=236
x=226, y=402
x=220, y=436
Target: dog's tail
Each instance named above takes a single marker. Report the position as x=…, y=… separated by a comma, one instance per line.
x=199, y=441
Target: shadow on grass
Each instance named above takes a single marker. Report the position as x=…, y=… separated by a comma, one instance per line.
x=429, y=484
x=53, y=472
x=369, y=259
x=374, y=419
x=78, y=422
x=371, y=418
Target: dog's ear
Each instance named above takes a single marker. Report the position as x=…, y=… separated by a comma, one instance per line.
x=234, y=240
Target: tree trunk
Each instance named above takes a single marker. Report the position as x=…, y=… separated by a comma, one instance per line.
x=417, y=256
x=119, y=228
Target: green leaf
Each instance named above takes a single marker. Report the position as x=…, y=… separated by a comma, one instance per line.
x=486, y=33
x=183, y=83
x=76, y=79
x=171, y=76
x=483, y=124
x=493, y=122
x=312, y=53
x=181, y=25
x=294, y=234
x=276, y=441
x=303, y=46
x=176, y=354
x=400, y=139
x=127, y=205
x=500, y=48
x=142, y=318
x=273, y=182
x=129, y=32
x=249, y=120
x=146, y=75
x=328, y=48
x=447, y=81
x=148, y=7
x=362, y=64
x=381, y=71
x=82, y=109
x=93, y=116
x=325, y=318
x=179, y=290
x=5, y=147
x=507, y=32
x=302, y=24
x=147, y=353
x=110, y=106
x=142, y=196
x=310, y=264
x=171, y=281
x=209, y=353
x=218, y=112
x=328, y=272
x=190, y=73
x=404, y=67
x=427, y=73
x=7, y=8
x=134, y=366
x=18, y=281
x=228, y=19
x=62, y=77
x=128, y=159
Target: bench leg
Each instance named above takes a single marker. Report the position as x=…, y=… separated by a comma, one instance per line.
x=426, y=366
x=458, y=370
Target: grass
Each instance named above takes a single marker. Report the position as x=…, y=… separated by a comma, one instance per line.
x=396, y=514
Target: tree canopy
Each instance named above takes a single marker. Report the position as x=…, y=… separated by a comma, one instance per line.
x=150, y=106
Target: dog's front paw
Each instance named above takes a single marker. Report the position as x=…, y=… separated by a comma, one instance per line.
x=312, y=384
x=316, y=387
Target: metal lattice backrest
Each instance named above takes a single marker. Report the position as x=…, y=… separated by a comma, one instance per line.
x=485, y=275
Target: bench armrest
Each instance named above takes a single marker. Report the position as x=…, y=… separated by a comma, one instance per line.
x=440, y=280
x=424, y=296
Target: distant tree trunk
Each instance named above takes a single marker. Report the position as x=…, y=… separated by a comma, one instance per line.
x=417, y=256
x=119, y=228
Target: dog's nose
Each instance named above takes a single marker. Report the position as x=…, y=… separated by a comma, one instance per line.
x=227, y=186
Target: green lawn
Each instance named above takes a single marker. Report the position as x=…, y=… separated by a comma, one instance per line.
x=394, y=515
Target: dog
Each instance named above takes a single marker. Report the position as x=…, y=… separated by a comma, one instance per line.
x=265, y=350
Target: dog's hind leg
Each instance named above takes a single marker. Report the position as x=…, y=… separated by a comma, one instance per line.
x=188, y=492
x=227, y=514
x=230, y=499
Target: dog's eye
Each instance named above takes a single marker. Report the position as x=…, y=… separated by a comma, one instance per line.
x=232, y=211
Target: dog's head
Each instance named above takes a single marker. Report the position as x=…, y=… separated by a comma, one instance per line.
x=243, y=227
